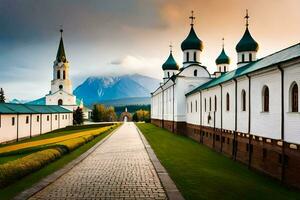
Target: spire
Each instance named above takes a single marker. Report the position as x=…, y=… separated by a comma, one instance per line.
x=192, y=18
x=61, y=55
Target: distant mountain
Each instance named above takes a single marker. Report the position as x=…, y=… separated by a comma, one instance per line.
x=18, y=101
x=126, y=88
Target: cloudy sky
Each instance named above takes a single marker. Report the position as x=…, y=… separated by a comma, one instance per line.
x=105, y=37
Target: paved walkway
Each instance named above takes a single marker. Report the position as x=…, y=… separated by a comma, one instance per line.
x=119, y=168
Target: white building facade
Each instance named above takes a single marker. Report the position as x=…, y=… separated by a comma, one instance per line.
x=250, y=113
x=19, y=121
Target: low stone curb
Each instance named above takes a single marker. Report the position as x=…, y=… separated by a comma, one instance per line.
x=26, y=194
x=169, y=186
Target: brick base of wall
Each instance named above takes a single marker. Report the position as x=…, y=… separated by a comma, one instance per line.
x=275, y=158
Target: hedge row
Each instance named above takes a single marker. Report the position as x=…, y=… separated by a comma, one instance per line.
x=13, y=170
x=16, y=169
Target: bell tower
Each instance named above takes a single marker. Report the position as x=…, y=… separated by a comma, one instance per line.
x=61, y=85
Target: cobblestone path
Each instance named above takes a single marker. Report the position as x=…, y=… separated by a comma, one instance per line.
x=119, y=168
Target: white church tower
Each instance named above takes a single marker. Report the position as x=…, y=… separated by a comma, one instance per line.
x=247, y=47
x=61, y=85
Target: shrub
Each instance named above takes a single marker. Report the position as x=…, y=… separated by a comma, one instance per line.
x=16, y=169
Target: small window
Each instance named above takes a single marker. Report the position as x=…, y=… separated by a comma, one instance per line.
x=58, y=74
x=243, y=100
x=55, y=117
x=195, y=72
x=66, y=117
x=215, y=103
x=187, y=56
x=195, y=56
x=37, y=118
x=224, y=68
x=60, y=87
x=191, y=107
x=63, y=117
x=243, y=57
x=250, y=57
x=12, y=121
x=64, y=74
x=266, y=99
x=27, y=119
x=205, y=104
x=209, y=103
x=295, y=98
x=48, y=118
x=227, y=102
x=196, y=106
x=60, y=102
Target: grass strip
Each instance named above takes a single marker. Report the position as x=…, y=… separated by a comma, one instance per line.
x=201, y=173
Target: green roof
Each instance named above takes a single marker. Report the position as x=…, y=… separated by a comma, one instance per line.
x=222, y=58
x=10, y=108
x=247, y=43
x=284, y=55
x=170, y=63
x=61, y=55
x=192, y=41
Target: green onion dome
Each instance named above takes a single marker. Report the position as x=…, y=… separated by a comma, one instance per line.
x=192, y=41
x=247, y=43
x=223, y=58
x=170, y=63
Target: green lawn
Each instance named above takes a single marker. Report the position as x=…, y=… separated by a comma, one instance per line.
x=26, y=182
x=201, y=173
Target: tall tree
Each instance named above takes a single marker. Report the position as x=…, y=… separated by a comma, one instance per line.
x=2, y=96
x=78, y=116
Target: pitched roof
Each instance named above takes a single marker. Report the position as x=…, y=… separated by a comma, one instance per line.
x=268, y=61
x=10, y=108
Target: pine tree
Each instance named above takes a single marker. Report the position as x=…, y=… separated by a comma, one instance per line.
x=78, y=116
x=2, y=96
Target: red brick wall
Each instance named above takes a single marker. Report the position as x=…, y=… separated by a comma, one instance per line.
x=261, y=154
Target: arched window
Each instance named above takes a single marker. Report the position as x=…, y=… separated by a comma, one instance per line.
x=209, y=103
x=64, y=74
x=266, y=96
x=224, y=68
x=60, y=102
x=227, y=102
x=58, y=74
x=215, y=103
x=195, y=72
x=243, y=100
x=196, y=106
x=250, y=57
x=60, y=87
x=294, y=98
x=205, y=104
x=191, y=107
x=195, y=56
x=243, y=57
x=187, y=56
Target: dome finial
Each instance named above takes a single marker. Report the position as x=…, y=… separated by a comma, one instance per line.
x=223, y=42
x=61, y=30
x=192, y=18
x=247, y=18
x=171, y=47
